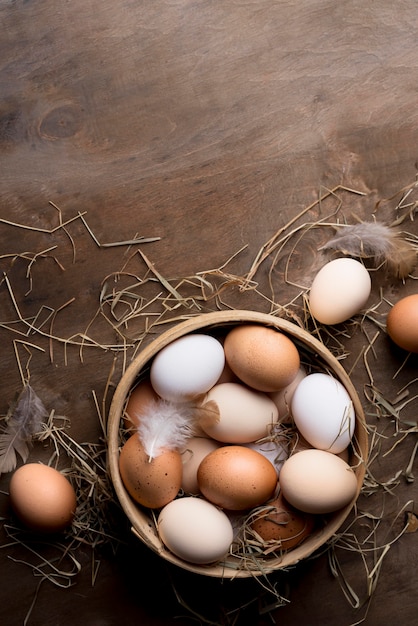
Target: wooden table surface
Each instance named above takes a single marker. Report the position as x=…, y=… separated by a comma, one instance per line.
x=206, y=128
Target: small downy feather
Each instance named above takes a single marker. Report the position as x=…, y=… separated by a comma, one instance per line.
x=378, y=242
x=165, y=425
x=24, y=421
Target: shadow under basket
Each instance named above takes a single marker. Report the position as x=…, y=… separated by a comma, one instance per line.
x=142, y=519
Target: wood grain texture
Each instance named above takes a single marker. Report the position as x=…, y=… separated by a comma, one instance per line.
x=209, y=125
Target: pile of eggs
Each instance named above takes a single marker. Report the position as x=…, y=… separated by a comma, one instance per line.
x=266, y=455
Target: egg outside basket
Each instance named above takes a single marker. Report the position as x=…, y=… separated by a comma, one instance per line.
x=142, y=521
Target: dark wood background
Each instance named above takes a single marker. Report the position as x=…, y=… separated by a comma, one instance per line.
x=209, y=125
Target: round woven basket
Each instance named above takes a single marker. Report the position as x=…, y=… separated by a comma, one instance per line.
x=142, y=520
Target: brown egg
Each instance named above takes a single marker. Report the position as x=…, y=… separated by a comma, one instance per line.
x=42, y=498
x=261, y=357
x=402, y=323
x=139, y=400
x=284, y=524
x=236, y=478
x=152, y=483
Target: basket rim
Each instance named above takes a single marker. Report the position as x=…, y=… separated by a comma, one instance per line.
x=141, y=524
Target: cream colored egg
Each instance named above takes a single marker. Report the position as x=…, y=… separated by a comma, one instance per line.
x=283, y=397
x=195, y=530
x=339, y=291
x=315, y=481
x=195, y=451
x=237, y=414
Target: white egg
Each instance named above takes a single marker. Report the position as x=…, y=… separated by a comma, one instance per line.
x=187, y=367
x=339, y=291
x=323, y=412
x=276, y=450
x=195, y=530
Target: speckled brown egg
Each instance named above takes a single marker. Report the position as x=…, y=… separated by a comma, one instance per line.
x=42, y=498
x=280, y=522
x=402, y=323
x=261, y=357
x=150, y=482
x=236, y=478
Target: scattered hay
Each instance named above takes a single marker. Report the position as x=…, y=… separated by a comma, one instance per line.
x=137, y=302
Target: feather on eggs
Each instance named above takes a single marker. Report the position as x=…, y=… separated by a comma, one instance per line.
x=378, y=242
x=165, y=425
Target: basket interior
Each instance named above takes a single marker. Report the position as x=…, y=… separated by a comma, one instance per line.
x=142, y=520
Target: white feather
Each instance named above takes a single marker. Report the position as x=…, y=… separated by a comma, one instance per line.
x=165, y=425
x=374, y=240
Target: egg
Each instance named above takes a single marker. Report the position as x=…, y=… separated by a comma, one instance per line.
x=317, y=482
x=275, y=449
x=323, y=412
x=282, y=398
x=42, y=498
x=237, y=478
x=279, y=522
x=195, y=451
x=402, y=323
x=150, y=482
x=141, y=397
x=339, y=290
x=238, y=414
x=195, y=530
x=187, y=367
x=262, y=357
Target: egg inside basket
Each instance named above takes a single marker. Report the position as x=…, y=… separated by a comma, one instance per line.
x=315, y=357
